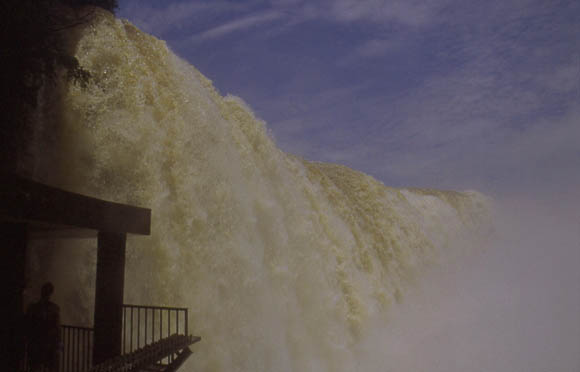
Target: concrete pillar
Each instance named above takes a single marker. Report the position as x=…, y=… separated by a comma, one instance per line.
x=109, y=296
x=13, y=239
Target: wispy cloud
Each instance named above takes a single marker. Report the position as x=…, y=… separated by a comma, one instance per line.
x=403, y=12
x=443, y=93
x=506, y=116
x=562, y=79
x=157, y=20
x=479, y=127
x=160, y=17
x=237, y=25
x=410, y=12
x=374, y=48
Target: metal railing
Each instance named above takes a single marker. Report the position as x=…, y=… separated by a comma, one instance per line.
x=77, y=353
x=145, y=325
x=77, y=350
x=142, y=326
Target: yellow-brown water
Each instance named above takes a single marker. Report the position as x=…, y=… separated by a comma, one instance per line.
x=282, y=262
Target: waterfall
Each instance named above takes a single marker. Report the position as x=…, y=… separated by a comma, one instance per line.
x=281, y=261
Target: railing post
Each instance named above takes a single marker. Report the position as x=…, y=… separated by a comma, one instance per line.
x=131, y=332
x=186, y=322
x=138, y=327
x=146, y=311
x=124, y=334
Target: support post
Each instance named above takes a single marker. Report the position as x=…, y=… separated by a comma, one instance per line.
x=108, y=321
x=178, y=362
x=13, y=239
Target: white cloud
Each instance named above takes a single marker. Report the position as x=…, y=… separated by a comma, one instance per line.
x=158, y=20
x=485, y=125
x=464, y=132
x=374, y=48
x=413, y=13
x=469, y=125
x=237, y=25
x=405, y=12
x=563, y=78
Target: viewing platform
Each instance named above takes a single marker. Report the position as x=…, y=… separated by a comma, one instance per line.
x=154, y=339
x=123, y=337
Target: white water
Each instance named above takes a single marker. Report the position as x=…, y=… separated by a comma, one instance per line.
x=286, y=265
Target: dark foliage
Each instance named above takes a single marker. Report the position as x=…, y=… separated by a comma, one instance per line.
x=32, y=35
x=109, y=5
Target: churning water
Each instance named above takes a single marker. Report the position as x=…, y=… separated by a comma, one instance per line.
x=285, y=264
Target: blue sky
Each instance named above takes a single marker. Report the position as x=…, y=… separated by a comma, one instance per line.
x=448, y=94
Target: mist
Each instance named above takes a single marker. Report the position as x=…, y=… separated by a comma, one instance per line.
x=512, y=306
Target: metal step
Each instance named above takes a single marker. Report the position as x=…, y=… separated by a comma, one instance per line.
x=148, y=357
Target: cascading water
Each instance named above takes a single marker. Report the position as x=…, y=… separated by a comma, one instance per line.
x=281, y=261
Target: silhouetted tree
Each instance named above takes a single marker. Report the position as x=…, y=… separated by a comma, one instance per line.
x=33, y=53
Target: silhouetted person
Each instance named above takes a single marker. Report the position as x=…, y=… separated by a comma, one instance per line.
x=43, y=332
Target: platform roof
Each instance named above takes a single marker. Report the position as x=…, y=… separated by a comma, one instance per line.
x=50, y=210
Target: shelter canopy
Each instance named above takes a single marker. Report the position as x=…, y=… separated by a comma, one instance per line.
x=49, y=210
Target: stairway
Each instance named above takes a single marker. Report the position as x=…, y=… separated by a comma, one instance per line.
x=149, y=357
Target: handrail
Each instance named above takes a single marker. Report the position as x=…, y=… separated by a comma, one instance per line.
x=77, y=351
x=145, y=325
x=156, y=307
